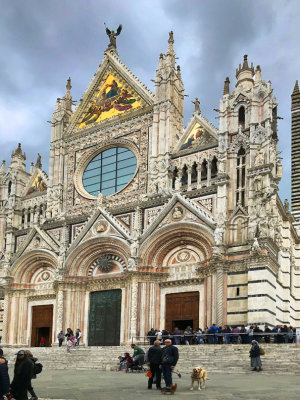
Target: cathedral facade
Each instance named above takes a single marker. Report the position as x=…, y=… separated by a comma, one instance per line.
x=143, y=223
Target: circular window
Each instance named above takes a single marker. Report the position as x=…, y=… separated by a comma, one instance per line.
x=109, y=172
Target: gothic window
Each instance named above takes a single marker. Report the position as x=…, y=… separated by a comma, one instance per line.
x=9, y=187
x=175, y=175
x=184, y=177
x=110, y=171
x=204, y=171
x=240, y=177
x=23, y=217
x=214, y=168
x=28, y=215
x=194, y=173
x=242, y=116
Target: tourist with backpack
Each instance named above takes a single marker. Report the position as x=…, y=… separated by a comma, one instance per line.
x=4, y=377
x=37, y=368
x=23, y=372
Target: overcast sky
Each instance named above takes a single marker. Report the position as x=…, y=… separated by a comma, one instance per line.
x=43, y=42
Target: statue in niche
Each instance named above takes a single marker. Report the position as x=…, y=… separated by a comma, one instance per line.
x=177, y=213
x=260, y=158
x=112, y=36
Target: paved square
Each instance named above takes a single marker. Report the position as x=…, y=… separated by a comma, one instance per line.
x=95, y=385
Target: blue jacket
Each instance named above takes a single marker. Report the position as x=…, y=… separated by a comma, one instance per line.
x=4, y=379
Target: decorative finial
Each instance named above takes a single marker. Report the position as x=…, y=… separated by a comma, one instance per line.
x=68, y=85
x=244, y=67
x=112, y=36
x=2, y=170
x=257, y=74
x=38, y=163
x=226, y=86
x=171, y=38
x=197, y=106
x=18, y=152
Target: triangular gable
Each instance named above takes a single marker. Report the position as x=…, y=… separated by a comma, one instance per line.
x=238, y=140
x=36, y=239
x=172, y=204
x=37, y=183
x=198, y=134
x=100, y=222
x=241, y=98
x=113, y=92
x=239, y=211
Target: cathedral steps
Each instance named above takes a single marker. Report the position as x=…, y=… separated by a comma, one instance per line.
x=279, y=359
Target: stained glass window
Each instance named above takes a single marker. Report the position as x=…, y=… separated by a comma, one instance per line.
x=109, y=171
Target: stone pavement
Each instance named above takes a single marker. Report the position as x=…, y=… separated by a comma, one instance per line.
x=102, y=385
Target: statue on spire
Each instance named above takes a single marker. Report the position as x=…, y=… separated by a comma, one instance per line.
x=112, y=36
x=197, y=106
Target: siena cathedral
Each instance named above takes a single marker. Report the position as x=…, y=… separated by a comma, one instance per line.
x=143, y=223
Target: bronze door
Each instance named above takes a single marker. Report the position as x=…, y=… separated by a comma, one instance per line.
x=182, y=309
x=105, y=318
x=42, y=317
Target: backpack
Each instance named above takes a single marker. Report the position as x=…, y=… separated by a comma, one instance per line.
x=38, y=367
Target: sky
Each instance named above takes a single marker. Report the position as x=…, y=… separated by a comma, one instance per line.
x=43, y=42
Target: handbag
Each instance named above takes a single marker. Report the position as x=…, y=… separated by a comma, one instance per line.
x=261, y=351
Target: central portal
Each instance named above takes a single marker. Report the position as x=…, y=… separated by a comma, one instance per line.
x=105, y=318
x=41, y=331
x=182, y=310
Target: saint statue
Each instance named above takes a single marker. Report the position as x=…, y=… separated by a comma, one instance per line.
x=112, y=36
x=197, y=105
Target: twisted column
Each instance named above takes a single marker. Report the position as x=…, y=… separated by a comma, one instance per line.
x=219, y=297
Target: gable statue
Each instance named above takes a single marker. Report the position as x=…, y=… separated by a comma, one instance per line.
x=112, y=36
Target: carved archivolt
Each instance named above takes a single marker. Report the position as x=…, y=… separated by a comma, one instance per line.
x=162, y=246
x=107, y=263
x=35, y=267
x=93, y=153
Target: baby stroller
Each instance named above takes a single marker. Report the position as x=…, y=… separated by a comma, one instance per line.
x=137, y=365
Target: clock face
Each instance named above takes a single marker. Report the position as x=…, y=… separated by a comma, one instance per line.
x=259, y=137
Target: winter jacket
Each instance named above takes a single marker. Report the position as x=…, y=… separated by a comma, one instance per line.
x=4, y=378
x=154, y=354
x=169, y=355
x=137, y=350
x=22, y=376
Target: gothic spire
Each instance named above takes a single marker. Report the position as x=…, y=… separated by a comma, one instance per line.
x=244, y=75
x=18, y=153
x=226, y=86
x=2, y=169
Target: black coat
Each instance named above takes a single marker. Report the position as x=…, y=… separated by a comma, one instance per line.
x=22, y=376
x=169, y=355
x=254, y=351
x=154, y=355
x=4, y=379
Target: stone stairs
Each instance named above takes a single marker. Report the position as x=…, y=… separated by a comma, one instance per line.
x=279, y=358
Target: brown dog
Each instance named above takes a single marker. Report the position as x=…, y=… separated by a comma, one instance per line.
x=199, y=375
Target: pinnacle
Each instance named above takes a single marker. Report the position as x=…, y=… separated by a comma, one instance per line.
x=296, y=88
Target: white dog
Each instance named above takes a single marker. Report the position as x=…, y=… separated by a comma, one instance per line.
x=199, y=375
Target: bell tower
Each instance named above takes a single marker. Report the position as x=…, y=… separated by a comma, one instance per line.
x=167, y=117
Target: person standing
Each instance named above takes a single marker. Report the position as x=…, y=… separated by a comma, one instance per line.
x=4, y=377
x=30, y=388
x=177, y=333
x=169, y=358
x=42, y=342
x=78, y=336
x=255, y=356
x=151, y=336
x=23, y=372
x=61, y=338
x=154, y=359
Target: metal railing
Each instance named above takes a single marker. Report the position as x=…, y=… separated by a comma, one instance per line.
x=220, y=338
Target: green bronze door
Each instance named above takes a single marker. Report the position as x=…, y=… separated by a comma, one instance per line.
x=105, y=318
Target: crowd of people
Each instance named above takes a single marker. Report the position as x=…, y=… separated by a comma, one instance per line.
x=72, y=341
x=26, y=368
x=225, y=335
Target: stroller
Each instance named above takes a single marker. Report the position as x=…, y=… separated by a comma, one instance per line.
x=137, y=365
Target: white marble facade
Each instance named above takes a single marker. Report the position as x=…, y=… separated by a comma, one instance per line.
x=201, y=212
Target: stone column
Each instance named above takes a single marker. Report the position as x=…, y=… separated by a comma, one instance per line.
x=199, y=175
x=5, y=319
x=59, y=312
x=219, y=297
x=134, y=307
x=208, y=173
x=189, y=182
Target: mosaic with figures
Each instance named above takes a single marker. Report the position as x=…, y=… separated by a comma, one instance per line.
x=111, y=100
